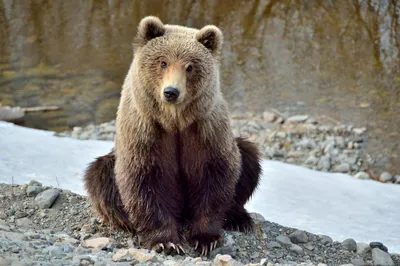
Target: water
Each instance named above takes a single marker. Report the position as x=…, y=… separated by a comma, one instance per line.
x=327, y=58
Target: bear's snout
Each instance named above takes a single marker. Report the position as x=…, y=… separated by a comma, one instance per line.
x=171, y=94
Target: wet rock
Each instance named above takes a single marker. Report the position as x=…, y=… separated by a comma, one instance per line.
x=363, y=248
x=283, y=240
x=298, y=237
x=342, y=168
x=378, y=245
x=385, y=177
x=381, y=258
x=46, y=199
x=297, y=119
x=362, y=175
x=350, y=244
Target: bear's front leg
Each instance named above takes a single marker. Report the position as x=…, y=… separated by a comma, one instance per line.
x=210, y=195
x=153, y=201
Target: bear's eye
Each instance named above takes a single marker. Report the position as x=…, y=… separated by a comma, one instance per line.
x=163, y=64
x=189, y=68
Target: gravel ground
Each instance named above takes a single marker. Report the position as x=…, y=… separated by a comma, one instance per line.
x=302, y=140
x=47, y=226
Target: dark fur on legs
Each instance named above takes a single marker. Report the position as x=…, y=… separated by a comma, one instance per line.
x=100, y=184
x=237, y=217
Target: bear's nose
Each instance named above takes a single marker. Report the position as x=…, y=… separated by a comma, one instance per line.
x=171, y=94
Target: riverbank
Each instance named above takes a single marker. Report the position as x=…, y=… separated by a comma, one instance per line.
x=42, y=225
x=320, y=144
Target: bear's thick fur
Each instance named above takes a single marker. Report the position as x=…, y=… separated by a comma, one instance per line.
x=176, y=163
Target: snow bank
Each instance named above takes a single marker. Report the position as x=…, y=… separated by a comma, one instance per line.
x=324, y=203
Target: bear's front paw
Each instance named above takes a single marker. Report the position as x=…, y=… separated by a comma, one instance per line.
x=162, y=240
x=168, y=248
x=205, y=242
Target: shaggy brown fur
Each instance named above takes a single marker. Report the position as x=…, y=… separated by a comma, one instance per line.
x=175, y=163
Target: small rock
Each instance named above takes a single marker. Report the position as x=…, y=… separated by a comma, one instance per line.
x=363, y=248
x=385, y=177
x=141, y=255
x=309, y=246
x=381, y=258
x=297, y=119
x=359, y=131
x=350, y=244
x=378, y=245
x=342, y=168
x=397, y=179
x=47, y=198
x=257, y=217
x=100, y=242
x=24, y=223
x=306, y=144
x=55, y=251
x=33, y=191
x=35, y=183
x=298, y=236
x=358, y=262
x=326, y=239
x=296, y=249
x=122, y=255
x=281, y=134
x=362, y=175
x=283, y=240
x=311, y=160
x=269, y=117
x=273, y=244
x=225, y=260
x=324, y=163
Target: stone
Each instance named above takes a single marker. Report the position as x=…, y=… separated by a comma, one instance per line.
x=325, y=239
x=342, y=168
x=283, y=240
x=35, y=183
x=359, y=131
x=273, y=244
x=225, y=260
x=19, y=263
x=24, y=223
x=4, y=261
x=311, y=160
x=296, y=249
x=269, y=117
x=257, y=217
x=122, y=255
x=324, y=163
x=378, y=245
x=362, y=175
x=55, y=251
x=297, y=119
x=33, y=191
x=385, y=177
x=397, y=179
x=350, y=244
x=363, y=248
x=298, y=237
x=141, y=255
x=381, y=258
x=100, y=242
x=306, y=144
x=358, y=262
x=46, y=199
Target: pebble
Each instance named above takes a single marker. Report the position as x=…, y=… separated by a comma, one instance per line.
x=122, y=255
x=283, y=240
x=381, y=258
x=273, y=244
x=342, y=168
x=23, y=222
x=297, y=119
x=350, y=244
x=46, y=199
x=324, y=163
x=358, y=262
x=100, y=242
x=296, y=249
x=141, y=255
x=362, y=175
x=363, y=248
x=225, y=260
x=378, y=245
x=298, y=237
x=385, y=177
x=269, y=117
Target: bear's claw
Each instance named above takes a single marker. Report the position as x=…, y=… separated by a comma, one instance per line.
x=204, y=248
x=161, y=247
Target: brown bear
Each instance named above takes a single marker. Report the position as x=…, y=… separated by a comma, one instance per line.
x=176, y=163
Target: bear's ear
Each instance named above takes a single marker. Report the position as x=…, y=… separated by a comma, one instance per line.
x=149, y=28
x=211, y=37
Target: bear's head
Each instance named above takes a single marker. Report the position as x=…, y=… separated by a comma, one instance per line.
x=176, y=69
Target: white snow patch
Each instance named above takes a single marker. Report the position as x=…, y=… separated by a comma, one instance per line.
x=323, y=203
